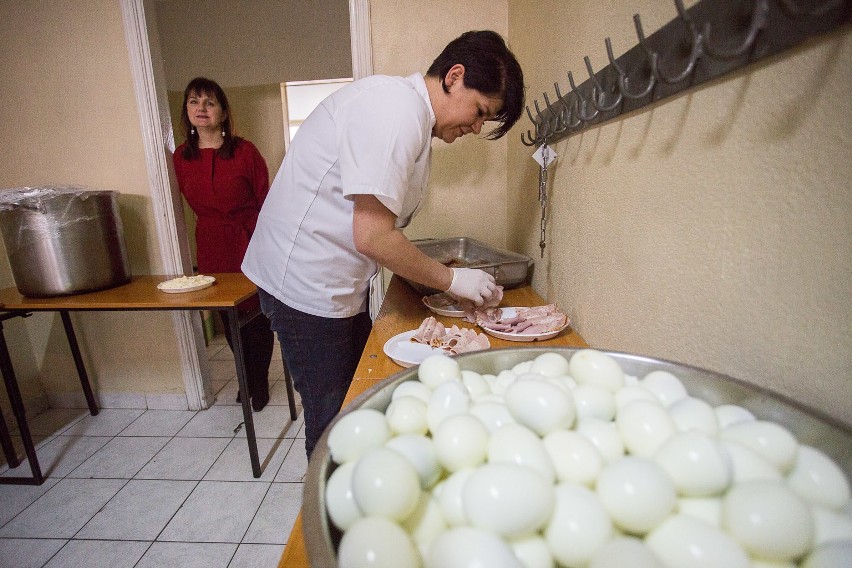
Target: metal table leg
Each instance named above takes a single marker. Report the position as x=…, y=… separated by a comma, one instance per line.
x=242, y=380
x=6, y=442
x=78, y=361
x=288, y=382
x=20, y=415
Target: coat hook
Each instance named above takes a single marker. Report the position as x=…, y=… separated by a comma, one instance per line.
x=759, y=17
x=565, y=112
x=598, y=88
x=582, y=102
x=622, y=75
x=695, y=52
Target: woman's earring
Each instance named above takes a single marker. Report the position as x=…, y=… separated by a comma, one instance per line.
x=223, y=133
x=192, y=131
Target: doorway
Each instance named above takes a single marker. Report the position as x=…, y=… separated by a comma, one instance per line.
x=152, y=103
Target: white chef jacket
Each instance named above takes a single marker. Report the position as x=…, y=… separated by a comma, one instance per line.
x=371, y=137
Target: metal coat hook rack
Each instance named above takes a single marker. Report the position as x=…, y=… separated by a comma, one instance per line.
x=712, y=38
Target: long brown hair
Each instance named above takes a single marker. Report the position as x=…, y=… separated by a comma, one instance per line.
x=209, y=87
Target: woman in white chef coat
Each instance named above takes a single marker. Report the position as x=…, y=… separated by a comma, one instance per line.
x=355, y=174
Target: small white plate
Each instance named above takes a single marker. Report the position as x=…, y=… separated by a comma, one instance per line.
x=407, y=353
x=510, y=313
x=451, y=311
x=183, y=284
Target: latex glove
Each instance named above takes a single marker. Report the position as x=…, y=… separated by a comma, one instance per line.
x=472, y=284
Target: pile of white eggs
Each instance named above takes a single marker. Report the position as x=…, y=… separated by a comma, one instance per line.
x=572, y=463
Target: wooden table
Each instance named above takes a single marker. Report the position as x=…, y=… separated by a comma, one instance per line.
x=403, y=310
x=232, y=292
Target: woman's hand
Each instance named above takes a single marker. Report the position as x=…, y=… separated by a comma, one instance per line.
x=472, y=284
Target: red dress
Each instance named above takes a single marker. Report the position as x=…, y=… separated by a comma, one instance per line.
x=226, y=196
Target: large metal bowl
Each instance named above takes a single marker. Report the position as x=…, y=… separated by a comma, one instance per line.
x=809, y=426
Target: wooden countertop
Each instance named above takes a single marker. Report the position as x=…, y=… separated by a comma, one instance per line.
x=401, y=311
x=141, y=293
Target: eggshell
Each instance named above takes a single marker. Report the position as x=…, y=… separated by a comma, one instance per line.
x=579, y=525
x=550, y=365
x=818, y=479
x=420, y=451
x=518, y=444
x=461, y=442
x=340, y=503
x=507, y=499
x=469, y=547
x=834, y=554
x=596, y=367
x=698, y=464
x=727, y=414
x=448, y=399
x=637, y=493
x=768, y=520
x=594, y=401
x=685, y=541
x=665, y=386
x=533, y=552
x=624, y=551
x=436, y=370
x=407, y=415
x=412, y=388
x=357, y=432
x=644, y=427
x=604, y=435
x=493, y=415
x=690, y=413
x=385, y=484
x=376, y=542
x=449, y=495
x=540, y=406
x=771, y=440
x=575, y=458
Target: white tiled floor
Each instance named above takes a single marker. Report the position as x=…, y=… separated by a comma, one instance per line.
x=158, y=488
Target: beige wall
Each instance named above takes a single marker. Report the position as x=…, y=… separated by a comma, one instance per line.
x=277, y=40
x=68, y=115
x=714, y=228
x=468, y=181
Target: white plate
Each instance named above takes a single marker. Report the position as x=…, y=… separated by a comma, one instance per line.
x=510, y=313
x=451, y=311
x=407, y=353
x=183, y=284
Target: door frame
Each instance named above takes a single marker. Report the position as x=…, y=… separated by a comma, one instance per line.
x=158, y=141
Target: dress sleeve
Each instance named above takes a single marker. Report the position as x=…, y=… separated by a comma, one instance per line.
x=259, y=174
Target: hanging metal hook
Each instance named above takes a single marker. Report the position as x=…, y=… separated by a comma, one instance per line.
x=622, y=75
x=695, y=53
x=598, y=88
x=759, y=16
x=533, y=140
x=582, y=102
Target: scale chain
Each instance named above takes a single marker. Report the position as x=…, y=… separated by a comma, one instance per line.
x=542, y=197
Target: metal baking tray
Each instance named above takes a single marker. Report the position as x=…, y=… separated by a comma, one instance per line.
x=508, y=268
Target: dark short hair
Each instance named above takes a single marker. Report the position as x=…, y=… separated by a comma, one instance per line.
x=209, y=87
x=490, y=68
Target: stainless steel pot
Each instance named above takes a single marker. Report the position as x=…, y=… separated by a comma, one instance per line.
x=63, y=240
x=322, y=537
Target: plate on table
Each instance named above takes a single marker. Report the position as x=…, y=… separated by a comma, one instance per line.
x=183, y=284
x=443, y=305
x=512, y=312
x=407, y=353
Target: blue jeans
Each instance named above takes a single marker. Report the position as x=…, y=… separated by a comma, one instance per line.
x=321, y=355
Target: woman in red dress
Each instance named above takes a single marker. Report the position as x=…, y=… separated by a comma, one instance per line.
x=225, y=180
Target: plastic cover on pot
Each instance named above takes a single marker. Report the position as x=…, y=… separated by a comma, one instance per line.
x=63, y=239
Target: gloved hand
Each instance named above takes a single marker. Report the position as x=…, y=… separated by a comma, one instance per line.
x=472, y=284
